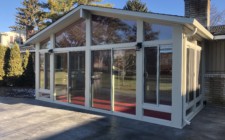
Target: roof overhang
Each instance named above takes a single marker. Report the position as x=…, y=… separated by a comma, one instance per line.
x=81, y=12
x=219, y=37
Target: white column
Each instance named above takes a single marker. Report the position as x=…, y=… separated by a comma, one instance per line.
x=139, y=70
x=52, y=75
x=37, y=72
x=88, y=62
x=177, y=98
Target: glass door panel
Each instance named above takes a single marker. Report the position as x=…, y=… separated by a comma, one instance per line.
x=150, y=75
x=190, y=75
x=61, y=77
x=165, y=75
x=101, y=79
x=77, y=78
x=124, y=81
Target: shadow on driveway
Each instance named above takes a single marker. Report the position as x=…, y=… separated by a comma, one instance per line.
x=32, y=119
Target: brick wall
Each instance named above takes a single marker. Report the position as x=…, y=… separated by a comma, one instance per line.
x=199, y=9
x=215, y=89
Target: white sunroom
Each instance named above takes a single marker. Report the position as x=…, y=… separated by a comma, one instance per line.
x=142, y=66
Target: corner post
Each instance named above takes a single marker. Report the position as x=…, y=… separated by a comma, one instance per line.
x=177, y=72
x=37, y=72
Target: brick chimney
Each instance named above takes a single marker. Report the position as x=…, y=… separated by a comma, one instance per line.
x=198, y=9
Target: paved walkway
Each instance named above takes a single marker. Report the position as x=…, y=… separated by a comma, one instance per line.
x=24, y=119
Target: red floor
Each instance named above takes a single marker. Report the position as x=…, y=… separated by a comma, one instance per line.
x=119, y=107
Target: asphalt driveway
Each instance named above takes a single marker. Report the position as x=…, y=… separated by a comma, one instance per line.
x=24, y=119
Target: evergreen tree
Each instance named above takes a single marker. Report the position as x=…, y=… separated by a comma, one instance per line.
x=2, y=59
x=28, y=77
x=25, y=59
x=58, y=8
x=13, y=65
x=29, y=17
x=135, y=5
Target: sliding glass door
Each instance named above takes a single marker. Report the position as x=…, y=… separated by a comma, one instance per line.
x=101, y=79
x=124, y=80
x=61, y=77
x=114, y=80
x=77, y=78
x=70, y=77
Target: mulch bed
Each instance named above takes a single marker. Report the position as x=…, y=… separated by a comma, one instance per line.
x=18, y=92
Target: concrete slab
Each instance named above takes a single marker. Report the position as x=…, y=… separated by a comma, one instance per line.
x=31, y=119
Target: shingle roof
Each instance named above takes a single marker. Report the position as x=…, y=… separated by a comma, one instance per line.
x=218, y=30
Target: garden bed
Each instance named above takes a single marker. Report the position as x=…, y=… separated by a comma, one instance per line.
x=19, y=92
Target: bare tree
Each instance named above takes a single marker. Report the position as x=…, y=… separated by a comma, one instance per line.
x=216, y=17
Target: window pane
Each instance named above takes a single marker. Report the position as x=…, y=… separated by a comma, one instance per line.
x=61, y=75
x=107, y=30
x=47, y=71
x=124, y=81
x=41, y=70
x=46, y=44
x=150, y=86
x=165, y=81
x=72, y=36
x=157, y=32
x=101, y=79
x=77, y=78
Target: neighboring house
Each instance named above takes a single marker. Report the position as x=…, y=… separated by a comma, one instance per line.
x=9, y=38
x=143, y=66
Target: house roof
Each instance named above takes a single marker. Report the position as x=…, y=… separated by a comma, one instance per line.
x=82, y=10
x=218, y=30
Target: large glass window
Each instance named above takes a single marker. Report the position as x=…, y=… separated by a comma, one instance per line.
x=107, y=30
x=124, y=81
x=77, y=78
x=150, y=85
x=44, y=71
x=46, y=44
x=72, y=36
x=165, y=75
x=61, y=77
x=101, y=79
x=158, y=75
x=157, y=32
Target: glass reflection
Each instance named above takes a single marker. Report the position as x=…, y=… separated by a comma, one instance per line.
x=44, y=71
x=107, y=30
x=165, y=77
x=77, y=78
x=150, y=83
x=46, y=44
x=124, y=81
x=157, y=32
x=72, y=36
x=61, y=77
x=41, y=70
x=101, y=79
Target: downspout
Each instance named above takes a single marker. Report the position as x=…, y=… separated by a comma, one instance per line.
x=193, y=33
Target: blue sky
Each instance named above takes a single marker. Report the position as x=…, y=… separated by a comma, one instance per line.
x=174, y=7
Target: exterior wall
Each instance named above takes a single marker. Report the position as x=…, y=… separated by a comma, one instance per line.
x=9, y=38
x=215, y=72
x=215, y=89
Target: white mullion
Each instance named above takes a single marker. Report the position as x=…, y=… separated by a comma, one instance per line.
x=112, y=83
x=68, y=76
x=158, y=76
x=37, y=70
x=52, y=68
x=88, y=90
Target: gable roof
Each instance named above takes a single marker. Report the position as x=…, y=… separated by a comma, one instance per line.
x=81, y=11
